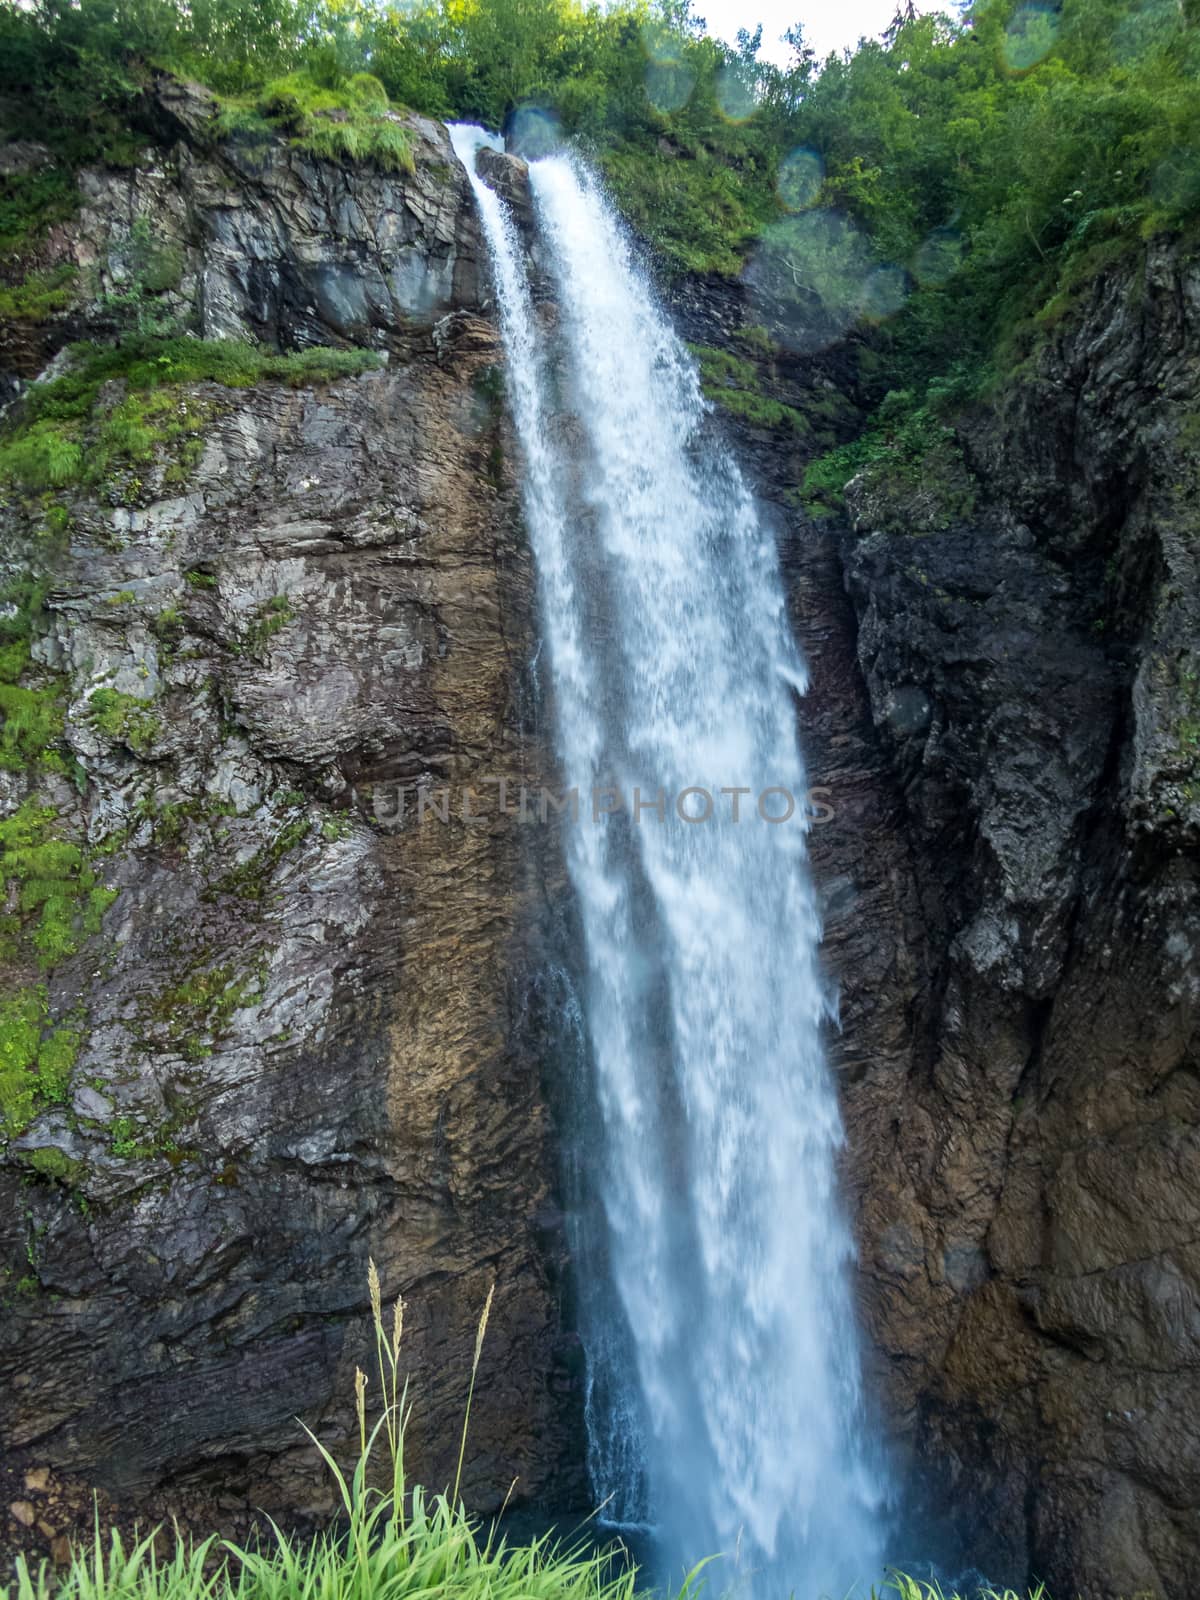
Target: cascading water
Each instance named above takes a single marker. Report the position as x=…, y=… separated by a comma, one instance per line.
x=673, y=670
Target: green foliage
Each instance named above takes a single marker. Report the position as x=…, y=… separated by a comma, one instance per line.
x=40, y=457
x=393, y=1538
x=906, y=447
x=351, y=120
x=906, y=1588
x=269, y=619
x=150, y=267
x=696, y=210
x=123, y=718
x=734, y=384
x=826, y=478
x=55, y=898
x=33, y=724
x=336, y=827
x=35, y=1059
x=32, y=201
x=75, y=430
x=38, y=296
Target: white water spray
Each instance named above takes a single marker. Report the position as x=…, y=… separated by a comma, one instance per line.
x=673, y=669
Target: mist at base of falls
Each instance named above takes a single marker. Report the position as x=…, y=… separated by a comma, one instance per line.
x=724, y=1401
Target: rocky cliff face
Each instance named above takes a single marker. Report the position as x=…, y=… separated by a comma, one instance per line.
x=297, y=1027
x=306, y=1026
x=1005, y=706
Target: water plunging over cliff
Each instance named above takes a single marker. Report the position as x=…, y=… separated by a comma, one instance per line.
x=740, y=1428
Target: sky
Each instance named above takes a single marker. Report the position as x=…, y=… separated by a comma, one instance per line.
x=828, y=24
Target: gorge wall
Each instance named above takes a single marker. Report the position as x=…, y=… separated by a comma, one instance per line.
x=301, y=1035
x=310, y=1034
x=1004, y=709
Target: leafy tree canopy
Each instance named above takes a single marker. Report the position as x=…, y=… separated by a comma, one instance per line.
x=948, y=182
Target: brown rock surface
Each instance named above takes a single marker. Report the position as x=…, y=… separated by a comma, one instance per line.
x=298, y=1041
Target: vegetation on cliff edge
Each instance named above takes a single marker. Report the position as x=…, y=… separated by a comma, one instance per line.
x=951, y=182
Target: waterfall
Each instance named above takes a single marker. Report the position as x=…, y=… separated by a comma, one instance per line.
x=724, y=1390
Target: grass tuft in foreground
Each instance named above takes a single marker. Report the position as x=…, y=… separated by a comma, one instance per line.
x=396, y=1539
x=906, y=1588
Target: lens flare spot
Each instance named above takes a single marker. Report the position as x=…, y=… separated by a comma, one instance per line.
x=884, y=292
x=532, y=132
x=735, y=94
x=1175, y=182
x=800, y=177
x=669, y=85
x=938, y=257
x=661, y=44
x=807, y=277
x=1029, y=37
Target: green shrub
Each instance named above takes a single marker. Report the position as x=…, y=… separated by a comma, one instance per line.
x=349, y=122
x=32, y=713
x=905, y=448
x=31, y=202
x=39, y=296
x=696, y=209
x=365, y=89
x=41, y=457
x=53, y=1164
x=270, y=618
x=33, y=724
x=733, y=383
x=123, y=718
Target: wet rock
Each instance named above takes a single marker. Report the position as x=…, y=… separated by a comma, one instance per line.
x=297, y=1045
x=1003, y=702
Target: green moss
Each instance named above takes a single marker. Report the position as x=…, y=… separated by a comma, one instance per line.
x=33, y=724
x=352, y=122
x=124, y=719
x=39, y=296
x=194, y=1012
x=70, y=430
x=249, y=880
x=734, y=384
x=35, y=1058
x=55, y=898
x=54, y=1164
x=32, y=711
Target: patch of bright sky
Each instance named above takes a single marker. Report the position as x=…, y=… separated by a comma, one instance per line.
x=829, y=25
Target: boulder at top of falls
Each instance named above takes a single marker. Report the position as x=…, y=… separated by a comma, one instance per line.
x=509, y=177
